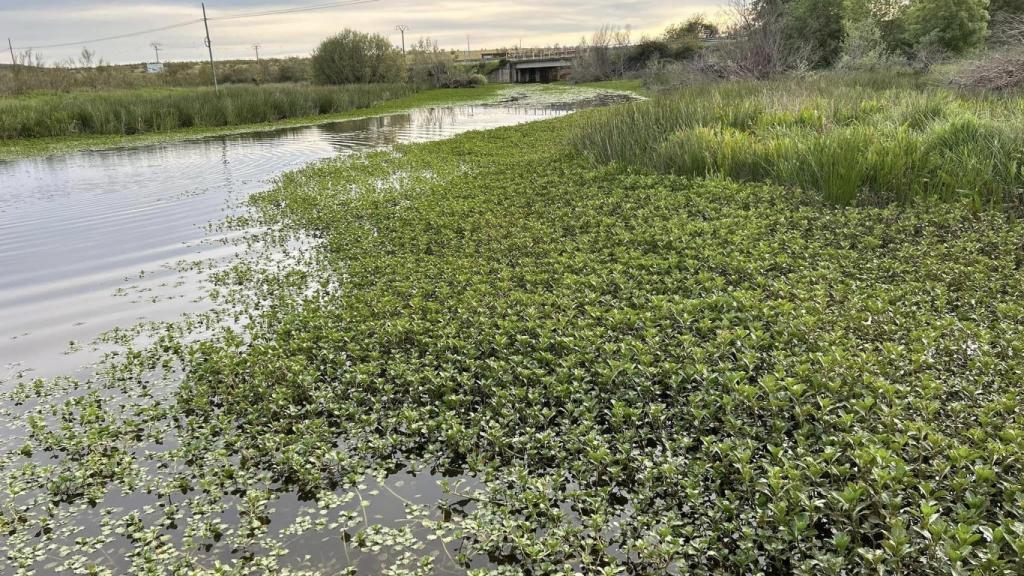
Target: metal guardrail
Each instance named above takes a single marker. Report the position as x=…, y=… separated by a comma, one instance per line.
x=542, y=53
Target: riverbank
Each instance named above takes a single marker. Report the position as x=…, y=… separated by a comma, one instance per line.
x=37, y=147
x=593, y=368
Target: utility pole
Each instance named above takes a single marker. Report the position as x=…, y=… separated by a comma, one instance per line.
x=156, y=48
x=209, y=46
x=402, y=28
x=258, y=69
x=14, y=64
x=467, y=46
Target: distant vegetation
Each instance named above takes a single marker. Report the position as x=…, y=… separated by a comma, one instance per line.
x=353, y=57
x=75, y=76
x=764, y=39
x=140, y=111
x=873, y=139
x=430, y=66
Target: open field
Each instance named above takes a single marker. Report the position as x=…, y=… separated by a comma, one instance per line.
x=621, y=369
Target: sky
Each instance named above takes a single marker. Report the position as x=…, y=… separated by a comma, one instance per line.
x=487, y=23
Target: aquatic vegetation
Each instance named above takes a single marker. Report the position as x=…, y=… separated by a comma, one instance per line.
x=862, y=139
x=129, y=112
x=621, y=373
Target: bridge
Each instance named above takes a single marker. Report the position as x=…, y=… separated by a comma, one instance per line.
x=531, y=65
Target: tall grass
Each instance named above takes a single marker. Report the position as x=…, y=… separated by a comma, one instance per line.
x=855, y=139
x=155, y=110
x=72, y=76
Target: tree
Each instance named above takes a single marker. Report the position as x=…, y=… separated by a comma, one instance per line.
x=696, y=27
x=356, y=58
x=814, y=27
x=820, y=24
x=953, y=26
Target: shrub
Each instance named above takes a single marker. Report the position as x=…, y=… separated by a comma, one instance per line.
x=647, y=51
x=954, y=26
x=603, y=57
x=353, y=57
x=430, y=66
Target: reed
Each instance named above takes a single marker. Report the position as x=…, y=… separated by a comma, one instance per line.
x=866, y=139
x=156, y=110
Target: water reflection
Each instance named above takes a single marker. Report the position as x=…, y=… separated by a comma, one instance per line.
x=88, y=240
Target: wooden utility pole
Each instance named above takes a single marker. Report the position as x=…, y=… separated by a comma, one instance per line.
x=156, y=48
x=14, y=61
x=209, y=46
x=259, y=71
x=402, y=28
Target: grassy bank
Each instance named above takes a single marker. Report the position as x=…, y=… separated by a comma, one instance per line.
x=641, y=373
x=129, y=112
x=855, y=139
x=25, y=147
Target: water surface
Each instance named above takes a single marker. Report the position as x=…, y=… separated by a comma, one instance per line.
x=88, y=240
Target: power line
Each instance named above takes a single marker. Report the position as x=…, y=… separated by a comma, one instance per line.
x=294, y=10
x=117, y=37
x=281, y=11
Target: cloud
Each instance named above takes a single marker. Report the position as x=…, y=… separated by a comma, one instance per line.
x=487, y=23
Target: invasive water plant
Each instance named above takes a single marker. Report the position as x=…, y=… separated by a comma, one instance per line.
x=620, y=373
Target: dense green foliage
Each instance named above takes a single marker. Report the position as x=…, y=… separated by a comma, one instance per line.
x=646, y=374
x=952, y=25
x=817, y=26
x=853, y=139
x=353, y=57
x=157, y=110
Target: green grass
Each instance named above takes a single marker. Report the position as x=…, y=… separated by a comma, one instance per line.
x=26, y=147
x=644, y=373
x=866, y=139
x=129, y=112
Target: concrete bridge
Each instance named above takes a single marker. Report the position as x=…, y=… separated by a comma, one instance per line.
x=530, y=66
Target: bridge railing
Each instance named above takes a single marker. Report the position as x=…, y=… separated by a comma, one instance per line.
x=542, y=53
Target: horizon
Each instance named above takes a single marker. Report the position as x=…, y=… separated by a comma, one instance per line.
x=62, y=29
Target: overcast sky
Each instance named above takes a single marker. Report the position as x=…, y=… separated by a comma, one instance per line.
x=489, y=23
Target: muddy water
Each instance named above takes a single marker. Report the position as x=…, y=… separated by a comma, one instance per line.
x=88, y=240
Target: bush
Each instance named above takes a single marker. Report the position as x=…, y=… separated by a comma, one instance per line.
x=603, y=57
x=356, y=58
x=647, y=51
x=954, y=26
x=430, y=66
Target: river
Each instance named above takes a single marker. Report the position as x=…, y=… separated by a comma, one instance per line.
x=88, y=241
